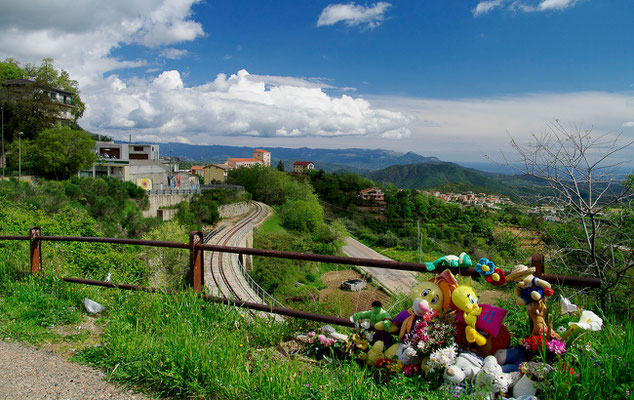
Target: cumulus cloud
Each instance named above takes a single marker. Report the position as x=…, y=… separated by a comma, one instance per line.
x=486, y=6
x=81, y=35
x=628, y=124
x=236, y=105
x=354, y=15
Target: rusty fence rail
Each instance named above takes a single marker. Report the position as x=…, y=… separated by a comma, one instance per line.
x=195, y=275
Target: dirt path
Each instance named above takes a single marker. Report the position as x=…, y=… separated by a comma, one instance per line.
x=30, y=373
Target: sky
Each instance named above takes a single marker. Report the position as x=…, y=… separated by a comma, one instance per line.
x=455, y=79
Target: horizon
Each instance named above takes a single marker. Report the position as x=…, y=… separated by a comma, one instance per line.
x=448, y=81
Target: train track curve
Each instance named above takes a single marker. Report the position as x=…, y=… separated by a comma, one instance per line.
x=223, y=275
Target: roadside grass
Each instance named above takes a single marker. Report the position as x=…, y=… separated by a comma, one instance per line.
x=183, y=347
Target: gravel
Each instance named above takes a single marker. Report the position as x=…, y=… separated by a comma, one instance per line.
x=30, y=373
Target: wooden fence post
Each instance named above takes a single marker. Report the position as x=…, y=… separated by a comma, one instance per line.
x=36, y=250
x=537, y=262
x=196, y=261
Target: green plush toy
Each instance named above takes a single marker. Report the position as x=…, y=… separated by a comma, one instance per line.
x=378, y=317
x=462, y=261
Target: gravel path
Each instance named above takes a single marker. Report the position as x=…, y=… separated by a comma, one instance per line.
x=31, y=373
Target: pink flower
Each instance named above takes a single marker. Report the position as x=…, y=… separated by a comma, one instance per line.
x=556, y=346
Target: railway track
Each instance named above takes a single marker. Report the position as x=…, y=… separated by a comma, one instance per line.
x=227, y=279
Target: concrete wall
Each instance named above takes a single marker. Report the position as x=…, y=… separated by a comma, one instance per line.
x=233, y=210
x=163, y=200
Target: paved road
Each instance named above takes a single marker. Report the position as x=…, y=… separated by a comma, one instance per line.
x=393, y=279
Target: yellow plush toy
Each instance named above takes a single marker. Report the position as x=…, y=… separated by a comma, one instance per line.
x=465, y=298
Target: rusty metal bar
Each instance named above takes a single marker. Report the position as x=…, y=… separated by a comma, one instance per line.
x=14, y=237
x=253, y=306
x=196, y=261
x=405, y=266
x=568, y=280
x=537, y=262
x=36, y=250
x=138, y=242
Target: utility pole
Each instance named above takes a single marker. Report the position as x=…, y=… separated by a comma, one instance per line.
x=20, y=155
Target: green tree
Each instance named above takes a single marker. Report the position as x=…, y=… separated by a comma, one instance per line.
x=60, y=152
x=280, y=166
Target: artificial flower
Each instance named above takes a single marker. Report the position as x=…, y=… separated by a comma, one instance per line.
x=566, y=306
x=588, y=321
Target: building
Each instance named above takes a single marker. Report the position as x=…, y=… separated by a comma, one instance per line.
x=198, y=170
x=217, y=173
x=372, y=194
x=21, y=88
x=302, y=167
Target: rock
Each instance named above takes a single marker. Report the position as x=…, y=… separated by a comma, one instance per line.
x=92, y=306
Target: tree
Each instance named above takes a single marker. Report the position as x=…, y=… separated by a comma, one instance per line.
x=60, y=152
x=579, y=171
x=280, y=166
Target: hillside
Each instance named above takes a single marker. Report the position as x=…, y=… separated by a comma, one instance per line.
x=330, y=159
x=447, y=175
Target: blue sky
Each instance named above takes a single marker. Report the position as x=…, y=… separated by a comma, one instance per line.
x=451, y=79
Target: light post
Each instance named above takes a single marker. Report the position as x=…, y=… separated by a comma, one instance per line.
x=20, y=155
x=3, y=161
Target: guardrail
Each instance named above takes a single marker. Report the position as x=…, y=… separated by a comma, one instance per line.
x=174, y=191
x=195, y=276
x=262, y=294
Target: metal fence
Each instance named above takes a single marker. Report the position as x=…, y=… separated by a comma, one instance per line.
x=197, y=247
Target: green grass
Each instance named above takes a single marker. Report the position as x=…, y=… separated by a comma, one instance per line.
x=272, y=225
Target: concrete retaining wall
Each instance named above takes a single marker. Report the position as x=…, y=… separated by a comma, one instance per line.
x=163, y=200
x=233, y=210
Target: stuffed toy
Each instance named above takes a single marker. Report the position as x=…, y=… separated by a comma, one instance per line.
x=466, y=300
x=380, y=320
x=491, y=380
x=462, y=261
x=529, y=288
x=510, y=359
x=490, y=324
x=459, y=376
x=486, y=268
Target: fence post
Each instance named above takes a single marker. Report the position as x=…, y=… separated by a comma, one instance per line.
x=537, y=262
x=196, y=262
x=36, y=250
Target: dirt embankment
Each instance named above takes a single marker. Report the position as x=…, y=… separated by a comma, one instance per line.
x=350, y=302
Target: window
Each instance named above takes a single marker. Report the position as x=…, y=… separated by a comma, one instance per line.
x=138, y=148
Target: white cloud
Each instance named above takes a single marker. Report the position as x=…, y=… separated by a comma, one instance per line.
x=238, y=105
x=465, y=129
x=628, y=124
x=486, y=6
x=354, y=15
x=173, y=54
x=81, y=35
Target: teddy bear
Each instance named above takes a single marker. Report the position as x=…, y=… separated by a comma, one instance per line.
x=459, y=376
x=491, y=380
x=529, y=288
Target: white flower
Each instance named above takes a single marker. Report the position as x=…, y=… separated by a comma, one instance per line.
x=365, y=325
x=562, y=329
x=566, y=306
x=588, y=321
x=588, y=347
x=409, y=352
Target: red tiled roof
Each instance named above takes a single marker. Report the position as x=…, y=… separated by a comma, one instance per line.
x=302, y=162
x=262, y=151
x=197, y=167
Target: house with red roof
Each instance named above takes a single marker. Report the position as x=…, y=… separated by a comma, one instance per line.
x=302, y=167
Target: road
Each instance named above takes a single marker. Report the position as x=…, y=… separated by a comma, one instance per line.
x=394, y=280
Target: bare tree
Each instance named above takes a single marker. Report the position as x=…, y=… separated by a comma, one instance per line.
x=580, y=174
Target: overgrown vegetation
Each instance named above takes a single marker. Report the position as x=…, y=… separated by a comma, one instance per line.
x=202, y=209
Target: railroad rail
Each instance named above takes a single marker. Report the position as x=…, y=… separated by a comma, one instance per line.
x=197, y=248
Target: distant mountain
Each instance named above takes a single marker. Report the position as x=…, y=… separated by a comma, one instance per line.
x=448, y=176
x=357, y=160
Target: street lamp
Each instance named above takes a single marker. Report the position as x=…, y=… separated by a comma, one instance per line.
x=20, y=155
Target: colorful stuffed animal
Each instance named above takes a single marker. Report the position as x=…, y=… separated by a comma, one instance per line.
x=465, y=299
x=381, y=320
x=510, y=359
x=529, y=288
x=459, y=376
x=491, y=380
x=462, y=261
